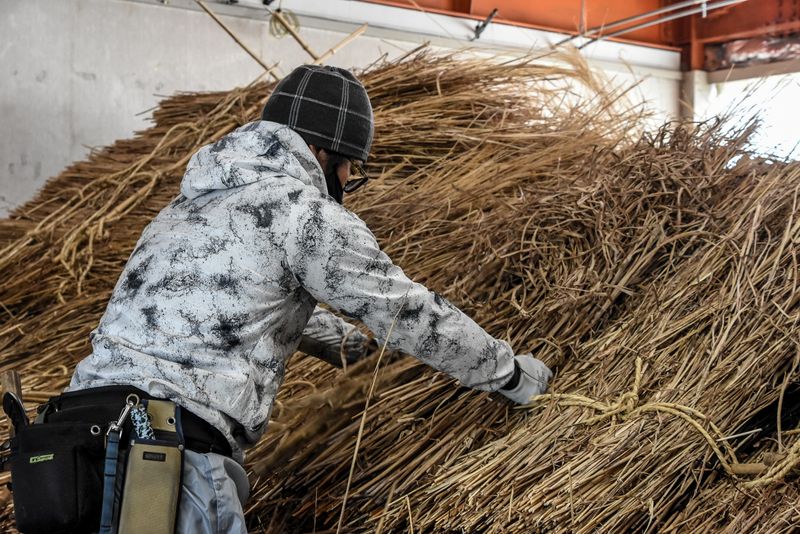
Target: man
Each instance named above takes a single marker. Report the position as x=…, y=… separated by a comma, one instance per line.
x=223, y=282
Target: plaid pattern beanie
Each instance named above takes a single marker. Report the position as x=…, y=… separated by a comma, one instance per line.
x=327, y=106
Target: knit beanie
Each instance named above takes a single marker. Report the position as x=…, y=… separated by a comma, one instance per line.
x=327, y=106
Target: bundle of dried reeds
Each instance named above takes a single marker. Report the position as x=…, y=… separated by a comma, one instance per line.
x=656, y=272
x=699, y=283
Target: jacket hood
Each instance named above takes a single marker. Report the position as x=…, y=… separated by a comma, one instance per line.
x=253, y=152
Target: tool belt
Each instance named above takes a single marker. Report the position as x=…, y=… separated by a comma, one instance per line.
x=104, y=459
x=103, y=404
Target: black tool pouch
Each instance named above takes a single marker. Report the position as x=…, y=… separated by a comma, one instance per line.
x=57, y=477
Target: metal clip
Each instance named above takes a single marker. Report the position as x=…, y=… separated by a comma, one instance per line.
x=117, y=426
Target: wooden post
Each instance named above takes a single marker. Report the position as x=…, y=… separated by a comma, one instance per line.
x=302, y=42
x=340, y=44
x=10, y=382
x=236, y=39
x=293, y=32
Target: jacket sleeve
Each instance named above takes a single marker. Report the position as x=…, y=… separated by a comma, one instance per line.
x=337, y=260
x=328, y=329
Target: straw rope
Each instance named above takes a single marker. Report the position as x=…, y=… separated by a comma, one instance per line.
x=778, y=471
x=627, y=407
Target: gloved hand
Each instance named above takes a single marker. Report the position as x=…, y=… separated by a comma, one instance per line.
x=533, y=377
x=356, y=346
x=329, y=348
x=330, y=338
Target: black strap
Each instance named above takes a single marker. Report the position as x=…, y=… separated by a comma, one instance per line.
x=109, y=481
x=15, y=411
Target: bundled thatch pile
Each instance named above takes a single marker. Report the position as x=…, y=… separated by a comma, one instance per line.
x=655, y=271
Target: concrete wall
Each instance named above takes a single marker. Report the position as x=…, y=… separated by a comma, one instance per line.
x=78, y=74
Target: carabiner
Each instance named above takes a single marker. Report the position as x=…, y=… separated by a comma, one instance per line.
x=117, y=426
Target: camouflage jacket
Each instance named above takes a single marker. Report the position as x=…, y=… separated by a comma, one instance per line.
x=224, y=280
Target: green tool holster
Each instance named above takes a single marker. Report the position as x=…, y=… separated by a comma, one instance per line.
x=153, y=474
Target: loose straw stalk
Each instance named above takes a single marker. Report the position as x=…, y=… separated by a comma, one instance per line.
x=539, y=201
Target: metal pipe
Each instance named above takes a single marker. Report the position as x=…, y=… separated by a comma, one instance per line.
x=621, y=22
x=704, y=8
x=659, y=11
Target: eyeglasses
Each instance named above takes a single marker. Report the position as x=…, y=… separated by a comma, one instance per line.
x=356, y=170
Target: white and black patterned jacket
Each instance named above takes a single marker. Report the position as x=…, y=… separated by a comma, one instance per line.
x=223, y=281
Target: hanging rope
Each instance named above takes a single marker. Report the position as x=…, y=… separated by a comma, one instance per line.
x=276, y=27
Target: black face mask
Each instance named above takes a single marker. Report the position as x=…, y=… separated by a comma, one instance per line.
x=334, y=185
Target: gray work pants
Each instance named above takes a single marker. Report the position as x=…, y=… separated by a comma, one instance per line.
x=214, y=490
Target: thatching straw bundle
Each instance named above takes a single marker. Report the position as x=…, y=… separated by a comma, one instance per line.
x=657, y=272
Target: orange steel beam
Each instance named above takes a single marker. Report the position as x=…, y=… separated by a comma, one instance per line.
x=754, y=18
x=562, y=16
x=565, y=15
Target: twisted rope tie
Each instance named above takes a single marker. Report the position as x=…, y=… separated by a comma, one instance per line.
x=627, y=406
x=141, y=422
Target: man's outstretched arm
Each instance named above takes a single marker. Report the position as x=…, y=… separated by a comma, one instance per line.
x=337, y=259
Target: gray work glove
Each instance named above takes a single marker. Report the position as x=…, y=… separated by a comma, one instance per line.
x=533, y=379
x=331, y=338
x=357, y=345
